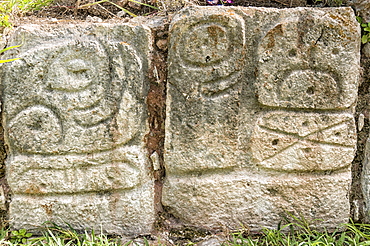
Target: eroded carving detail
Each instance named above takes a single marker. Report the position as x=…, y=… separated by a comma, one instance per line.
x=74, y=114
x=108, y=171
x=306, y=62
x=35, y=127
x=289, y=141
x=75, y=119
x=86, y=89
x=209, y=50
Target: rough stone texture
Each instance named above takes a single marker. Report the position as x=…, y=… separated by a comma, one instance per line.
x=258, y=200
x=306, y=61
x=360, y=166
x=362, y=8
x=304, y=141
x=365, y=179
x=75, y=120
x=259, y=115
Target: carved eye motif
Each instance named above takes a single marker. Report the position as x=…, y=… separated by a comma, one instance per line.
x=77, y=66
x=70, y=75
x=210, y=49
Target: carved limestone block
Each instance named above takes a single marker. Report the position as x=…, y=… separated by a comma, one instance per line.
x=75, y=120
x=260, y=115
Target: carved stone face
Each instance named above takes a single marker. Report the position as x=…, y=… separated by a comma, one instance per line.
x=303, y=63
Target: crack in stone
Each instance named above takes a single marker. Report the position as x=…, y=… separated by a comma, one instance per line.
x=5, y=192
x=156, y=103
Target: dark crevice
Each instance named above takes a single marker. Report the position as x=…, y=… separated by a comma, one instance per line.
x=356, y=195
x=5, y=192
x=156, y=103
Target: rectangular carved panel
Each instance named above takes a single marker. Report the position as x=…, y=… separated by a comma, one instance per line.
x=75, y=120
x=259, y=115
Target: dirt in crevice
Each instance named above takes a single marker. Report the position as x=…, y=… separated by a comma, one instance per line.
x=362, y=107
x=156, y=98
x=5, y=192
x=156, y=103
x=178, y=233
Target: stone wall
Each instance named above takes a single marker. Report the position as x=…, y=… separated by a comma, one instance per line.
x=257, y=120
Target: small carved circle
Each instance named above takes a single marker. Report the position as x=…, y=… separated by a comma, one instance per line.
x=35, y=129
x=307, y=150
x=305, y=123
x=292, y=53
x=335, y=51
x=205, y=44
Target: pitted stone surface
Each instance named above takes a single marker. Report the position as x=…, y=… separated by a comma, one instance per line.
x=211, y=52
x=304, y=141
x=256, y=201
x=262, y=122
x=75, y=120
x=362, y=8
x=305, y=60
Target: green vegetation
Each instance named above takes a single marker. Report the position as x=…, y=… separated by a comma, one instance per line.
x=365, y=30
x=296, y=233
x=20, y=236
x=8, y=48
x=121, y=8
x=10, y=9
x=56, y=236
x=299, y=232
x=353, y=234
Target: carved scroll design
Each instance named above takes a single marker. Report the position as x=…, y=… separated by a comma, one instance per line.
x=90, y=91
x=209, y=50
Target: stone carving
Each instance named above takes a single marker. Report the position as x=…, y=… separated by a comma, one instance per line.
x=304, y=141
x=279, y=135
x=75, y=120
x=305, y=61
x=209, y=49
x=259, y=120
x=78, y=93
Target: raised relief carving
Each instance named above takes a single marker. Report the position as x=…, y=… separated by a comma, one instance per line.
x=86, y=88
x=306, y=62
x=35, y=127
x=209, y=49
x=107, y=171
x=290, y=141
x=85, y=99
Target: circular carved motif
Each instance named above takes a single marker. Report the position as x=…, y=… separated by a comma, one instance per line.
x=208, y=50
x=206, y=44
x=35, y=129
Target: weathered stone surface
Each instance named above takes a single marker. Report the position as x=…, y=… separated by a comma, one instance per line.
x=259, y=115
x=306, y=60
x=75, y=120
x=128, y=212
x=365, y=180
x=362, y=8
x=257, y=200
x=293, y=141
